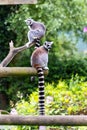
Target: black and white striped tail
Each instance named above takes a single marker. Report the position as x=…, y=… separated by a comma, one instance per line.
x=37, y=44
x=41, y=94
x=41, y=91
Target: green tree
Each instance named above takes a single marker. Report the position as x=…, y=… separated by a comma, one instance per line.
x=64, y=21
x=5, y=36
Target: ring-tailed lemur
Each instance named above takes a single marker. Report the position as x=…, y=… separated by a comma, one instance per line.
x=39, y=60
x=36, y=32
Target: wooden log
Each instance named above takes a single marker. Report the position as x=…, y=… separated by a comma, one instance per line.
x=76, y=120
x=18, y=71
x=12, y=2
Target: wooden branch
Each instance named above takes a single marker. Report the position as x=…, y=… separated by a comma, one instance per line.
x=9, y=2
x=3, y=112
x=76, y=120
x=18, y=71
x=13, y=51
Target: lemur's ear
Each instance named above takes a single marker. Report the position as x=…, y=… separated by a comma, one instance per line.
x=29, y=21
x=51, y=42
x=25, y=20
x=45, y=42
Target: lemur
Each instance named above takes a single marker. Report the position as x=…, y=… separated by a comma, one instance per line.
x=36, y=32
x=39, y=60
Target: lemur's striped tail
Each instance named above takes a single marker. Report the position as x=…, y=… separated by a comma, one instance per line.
x=41, y=94
x=41, y=91
x=37, y=43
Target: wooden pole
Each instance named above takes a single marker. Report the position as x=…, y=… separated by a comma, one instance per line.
x=12, y=2
x=76, y=120
x=18, y=71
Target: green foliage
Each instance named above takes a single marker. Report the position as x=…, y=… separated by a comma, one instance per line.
x=64, y=21
x=61, y=16
x=5, y=37
x=64, y=98
x=64, y=67
x=5, y=34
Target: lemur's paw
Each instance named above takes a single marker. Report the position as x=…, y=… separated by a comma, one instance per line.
x=46, y=68
x=27, y=45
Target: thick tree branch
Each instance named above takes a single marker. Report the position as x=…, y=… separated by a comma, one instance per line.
x=12, y=52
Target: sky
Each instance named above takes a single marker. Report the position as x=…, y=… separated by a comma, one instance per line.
x=81, y=45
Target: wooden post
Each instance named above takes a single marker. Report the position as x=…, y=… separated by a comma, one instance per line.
x=76, y=120
x=18, y=71
x=11, y=2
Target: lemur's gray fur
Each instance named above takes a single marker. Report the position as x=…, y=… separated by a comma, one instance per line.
x=36, y=31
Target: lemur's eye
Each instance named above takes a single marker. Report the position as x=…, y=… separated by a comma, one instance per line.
x=30, y=22
x=45, y=43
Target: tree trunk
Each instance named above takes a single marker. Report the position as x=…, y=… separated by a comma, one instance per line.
x=4, y=101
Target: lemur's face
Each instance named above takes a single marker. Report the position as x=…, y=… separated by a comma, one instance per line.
x=48, y=45
x=29, y=22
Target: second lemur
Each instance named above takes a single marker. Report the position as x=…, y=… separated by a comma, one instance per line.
x=39, y=60
x=36, y=32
